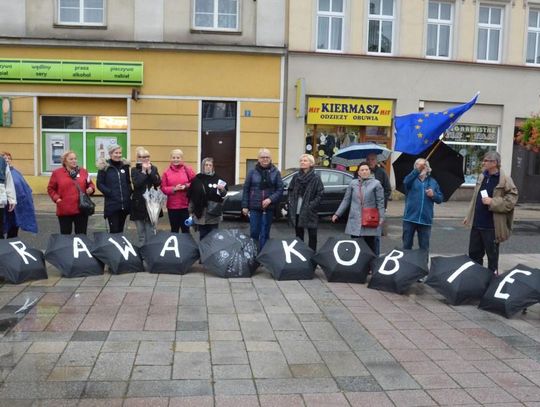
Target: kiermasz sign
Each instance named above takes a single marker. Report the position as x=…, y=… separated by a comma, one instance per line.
x=71, y=72
x=349, y=112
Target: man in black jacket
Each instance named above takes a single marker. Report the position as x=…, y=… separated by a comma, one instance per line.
x=382, y=177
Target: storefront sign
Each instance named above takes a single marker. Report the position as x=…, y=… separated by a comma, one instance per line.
x=472, y=133
x=72, y=72
x=350, y=112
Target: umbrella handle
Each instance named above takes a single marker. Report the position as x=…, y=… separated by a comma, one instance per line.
x=433, y=149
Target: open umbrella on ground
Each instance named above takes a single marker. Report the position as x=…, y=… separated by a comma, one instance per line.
x=19, y=263
x=345, y=260
x=229, y=253
x=458, y=278
x=171, y=253
x=398, y=270
x=513, y=291
x=71, y=254
x=288, y=259
x=358, y=152
x=446, y=165
x=117, y=252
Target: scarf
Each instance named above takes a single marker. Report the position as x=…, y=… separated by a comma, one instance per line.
x=74, y=172
x=264, y=172
x=303, y=179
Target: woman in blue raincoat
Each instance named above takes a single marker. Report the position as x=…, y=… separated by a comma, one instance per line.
x=24, y=215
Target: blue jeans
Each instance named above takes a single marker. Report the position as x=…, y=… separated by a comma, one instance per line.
x=260, y=223
x=424, y=233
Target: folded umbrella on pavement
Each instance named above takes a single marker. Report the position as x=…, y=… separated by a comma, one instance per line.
x=345, y=260
x=458, y=278
x=172, y=253
x=398, y=270
x=513, y=291
x=117, y=252
x=288, y=259
x=229, y=253
x=71, y=254
x=20, y=263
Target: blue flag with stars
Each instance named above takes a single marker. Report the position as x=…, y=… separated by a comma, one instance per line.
x=417, y=131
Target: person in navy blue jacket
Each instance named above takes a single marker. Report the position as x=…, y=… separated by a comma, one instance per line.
x=263, y=189
x=421, y=192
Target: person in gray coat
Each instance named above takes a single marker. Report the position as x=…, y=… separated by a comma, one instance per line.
x=305, y=192
x=364, y=192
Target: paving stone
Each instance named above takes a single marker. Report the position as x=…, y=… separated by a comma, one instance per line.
x=47, y=403
x=192, y=313
x=226, y=335
x=192, y=401
x=344, y=364
x=223, y=322
x=169, y=388
x=323, y=400
x=155, y=353
x=192, y=326
x=369, y=399
x=120, y=347
x=228, y=353
x=492, y=366
x=151, y=373
x=310, y=370
x=33, y=367
x=47, y=347
x=237, y=401
x=472, y=380
x=105, y=389
x=288, y=400
x=192, y=365
x=296, y=385
x=321, y=331
x=196, y=346
x=374, y=356
x=391, y=376
x=257, y=331
x=113, y=366
x=424, y=367
x=284, y=322
x=525, y=393
x=331, y=346
x=357, y=383
x=41, y=390
x=268, y=365
x=192, y=336
x=70, y=373
x=410, y=398
x=146, y=402
x=486, y=395
x=262, y=346
x=12, y=352
x=356, y=336
x=128, y=336
x=93, y=336
x=234, y=386
x=232, y=372
x=435, y=381
x=300, y=352
x=509, y=379
x=291, y=336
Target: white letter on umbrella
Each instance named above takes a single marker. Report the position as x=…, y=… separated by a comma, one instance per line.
x=79, y=247
x=390, y=257
x=508, y=279
x=172, y=248
x=124, y=251
x=460, y=270
x=20, y=248
x=357, y=251
x=290, y=249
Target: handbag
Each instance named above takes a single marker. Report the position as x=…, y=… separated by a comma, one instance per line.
x=86, y=205
x=370, y=216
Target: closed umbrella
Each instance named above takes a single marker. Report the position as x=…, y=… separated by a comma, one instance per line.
x=358, y=152
x=20, y=263
x=458, y=278
x=155, y=199
x=288, y=259
x=117, y=252
x=71, y=254
x=229, y=253
x=344, y=260
x=171, y=253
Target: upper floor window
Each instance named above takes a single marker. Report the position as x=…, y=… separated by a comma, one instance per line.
x=533, y=38
x=81, y=12
x=381, y=26
x=220, y=15
x=330, y=17
x=439, y=29
x=490, y=31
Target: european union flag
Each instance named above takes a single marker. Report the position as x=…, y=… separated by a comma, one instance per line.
x=417, y=131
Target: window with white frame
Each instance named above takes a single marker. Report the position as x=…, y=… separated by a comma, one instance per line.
x=439, y=29
x=330, y=18
x=380, y=26
x=490, y=32
x=81, y=12
x=533, y=38
x=220, y=15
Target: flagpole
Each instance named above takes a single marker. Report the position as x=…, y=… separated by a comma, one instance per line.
x=434, y=148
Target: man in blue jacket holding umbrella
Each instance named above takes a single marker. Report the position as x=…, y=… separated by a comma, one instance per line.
x=421, y=191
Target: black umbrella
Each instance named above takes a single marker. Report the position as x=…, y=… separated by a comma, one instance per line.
x=513, y=291
x=446, y=165
x=19, y=263
x=117, y=252
x=288, y=259
x=345, y=260
x=71, y=254
x=172, y=253
x=398, y=270
x=229, y=253
x=458, y=278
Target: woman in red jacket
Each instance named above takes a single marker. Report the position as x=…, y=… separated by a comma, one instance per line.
x=175, y=183
x=65, y=194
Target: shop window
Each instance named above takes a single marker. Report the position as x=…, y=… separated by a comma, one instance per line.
x=490, y=31
x=439, y=29
x=472, y=142
x=81, y=12
x=533, y=38
x=221, y=15
x=81, y=135
x=380, y=26
x=330, y=18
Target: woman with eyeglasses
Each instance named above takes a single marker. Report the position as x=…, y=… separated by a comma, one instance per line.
x=143, y=176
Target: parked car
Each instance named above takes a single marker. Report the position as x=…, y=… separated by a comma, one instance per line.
x=335, y=184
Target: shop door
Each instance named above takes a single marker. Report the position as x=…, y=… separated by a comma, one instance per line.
x=526, y=173
x=218, y=138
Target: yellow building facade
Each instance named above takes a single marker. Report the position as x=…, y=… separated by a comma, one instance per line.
x=224, y=104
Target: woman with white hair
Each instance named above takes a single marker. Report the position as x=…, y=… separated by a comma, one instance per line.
x=175, y=183
x=421, y=192
x=114, y=182
x=305, y=192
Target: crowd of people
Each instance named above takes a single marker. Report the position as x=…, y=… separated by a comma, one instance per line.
x=199, y=198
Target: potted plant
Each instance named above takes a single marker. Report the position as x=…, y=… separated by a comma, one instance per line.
x=529, y=134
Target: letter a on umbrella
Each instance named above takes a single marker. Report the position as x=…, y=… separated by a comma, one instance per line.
x=71, y=254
